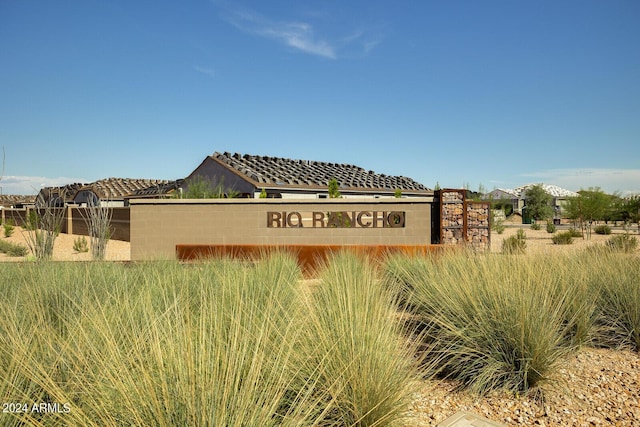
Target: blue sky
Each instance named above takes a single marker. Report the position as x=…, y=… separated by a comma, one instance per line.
x=472, y=93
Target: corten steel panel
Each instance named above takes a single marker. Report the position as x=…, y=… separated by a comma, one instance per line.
x=158, y=226
x=310, y=257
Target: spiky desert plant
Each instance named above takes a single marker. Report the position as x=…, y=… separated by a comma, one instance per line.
x=42, y=227
x=97, y=217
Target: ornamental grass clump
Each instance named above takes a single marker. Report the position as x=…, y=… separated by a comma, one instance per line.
x=614, y=278
x=156, y=344
x=516, y=244
x=218, y=343
x=625, y=243
x=492, y=322
x=358, y=345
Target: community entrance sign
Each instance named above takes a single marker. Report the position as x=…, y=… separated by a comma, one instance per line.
x=336, y=219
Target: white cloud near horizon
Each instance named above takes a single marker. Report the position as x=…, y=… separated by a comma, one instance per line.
x=298, y=35
x=623, y=181
x=31, y=185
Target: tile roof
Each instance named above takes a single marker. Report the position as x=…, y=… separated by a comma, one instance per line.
x=10, y=200
x=159, y=189
x=278, y=171
x=117, y=188
x=550, y=189
x=110, y=188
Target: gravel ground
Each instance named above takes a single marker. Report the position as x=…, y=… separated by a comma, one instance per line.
x=63, y=248
x=594, y=387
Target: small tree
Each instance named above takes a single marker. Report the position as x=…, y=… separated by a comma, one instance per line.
x=539, y=203
x=589, y=206
x=628, y=210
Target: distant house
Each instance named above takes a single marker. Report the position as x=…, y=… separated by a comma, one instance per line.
x=249, y=175
x=517, y=196
x=506, y=196
x=160, y=190
x=113, y=192
x=15, y=201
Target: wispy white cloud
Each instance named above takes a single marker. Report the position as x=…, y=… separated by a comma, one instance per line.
x=363, y=39
x=207, y=71
x=298, y=35
x=624, y=181
x=370, y=45
x=31, y=185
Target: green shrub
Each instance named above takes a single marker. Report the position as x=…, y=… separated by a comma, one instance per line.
x=514, y=245
x=623, y=243
x=535, y=225
x=80, y=244
x=13, y=249
x=574, y=232
x=602, y=229
x=564, y=238
x=498, y=226
x=551, y=227
x=8, y=228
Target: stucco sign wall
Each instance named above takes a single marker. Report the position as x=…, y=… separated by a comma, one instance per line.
x=158, y=226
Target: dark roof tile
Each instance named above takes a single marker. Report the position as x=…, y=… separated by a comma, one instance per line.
x=284, y=171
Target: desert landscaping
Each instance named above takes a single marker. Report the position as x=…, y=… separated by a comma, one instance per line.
x=593, y=386
x=538, y=241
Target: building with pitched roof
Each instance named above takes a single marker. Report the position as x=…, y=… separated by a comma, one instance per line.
x=518, y=199
x=249, y=175
x=112, y=192
x=15, y=201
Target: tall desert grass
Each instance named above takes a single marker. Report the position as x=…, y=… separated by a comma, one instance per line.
x=156, y=344
x=367, y=366
x=222, y=343
x=497, y=321
x=614, y=278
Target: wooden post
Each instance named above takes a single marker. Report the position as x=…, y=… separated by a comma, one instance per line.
x=69, y=220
